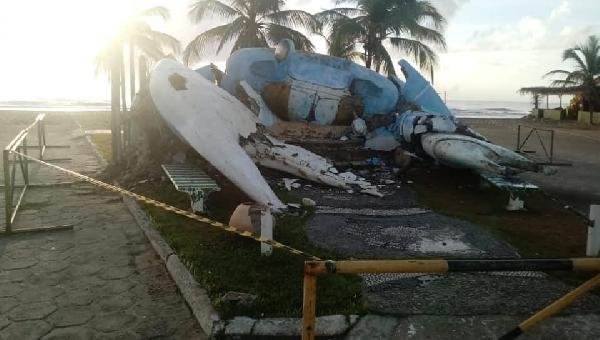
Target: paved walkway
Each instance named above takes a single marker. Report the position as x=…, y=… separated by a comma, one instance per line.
x=102, y=280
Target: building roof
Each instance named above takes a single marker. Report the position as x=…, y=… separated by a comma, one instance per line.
x=549, y=90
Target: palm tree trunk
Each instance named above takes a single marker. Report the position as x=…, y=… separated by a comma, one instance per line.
x=127, y=125
x=132, y=70
x=143, y=72
x=115, y=105
x=368, y=58
x=123, y=97
x=123, y=85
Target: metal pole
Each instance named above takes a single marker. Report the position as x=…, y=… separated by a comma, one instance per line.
x=553, y=308
x=309, y=307
x=40, y=142
x=551, y=146
x=7, y=191
x=25, y=162
x=519, y=138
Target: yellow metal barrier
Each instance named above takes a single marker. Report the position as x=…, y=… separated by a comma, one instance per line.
x=314, y=269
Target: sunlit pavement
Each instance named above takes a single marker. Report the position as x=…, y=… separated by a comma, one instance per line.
x=100, y=280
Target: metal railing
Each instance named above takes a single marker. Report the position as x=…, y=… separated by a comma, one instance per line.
x=14, y=164
x=547, y=143
x=314, y=269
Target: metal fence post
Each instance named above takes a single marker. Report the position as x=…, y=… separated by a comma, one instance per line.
x=519, y=138
x=593, y=237
x=7, y=190
x=25, y=162
x=309, y=307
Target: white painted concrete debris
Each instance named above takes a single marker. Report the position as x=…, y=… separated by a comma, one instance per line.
x=593, y=241
x=258, y=105
x=307, y=202
x=212, y=122
x=287, y=183
x=515, y=204
x=359, y=126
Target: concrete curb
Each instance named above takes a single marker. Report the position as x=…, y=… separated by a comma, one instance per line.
x=202, y=308
x=194, y=295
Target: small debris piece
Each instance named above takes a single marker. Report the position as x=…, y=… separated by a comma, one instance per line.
x=296, y=185
x=238, y=298
x=307, y=202
x=375, y=161
x=515, y=204
x=389, y=181
x=359, y=126
x=288, y=183
x=372, y=191
x=348, y=176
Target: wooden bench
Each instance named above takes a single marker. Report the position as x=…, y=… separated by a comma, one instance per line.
x=192, y=181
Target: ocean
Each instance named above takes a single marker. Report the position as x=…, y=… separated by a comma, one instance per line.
x=461, y=108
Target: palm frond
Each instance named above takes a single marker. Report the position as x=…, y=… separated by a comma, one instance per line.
x=425, y=34
x=266, y=7
x=430, y=15
x=202, y=9
x=562, y=83
x=158, y=11
x=250, y=38
x=294, y=18
x=148, y=46
x=275, y=33
x=572, y=54
x=165, y=41
x=383, y=59
x=421, y=53
x=235, y=29
x=554, y=72
x=196, y=48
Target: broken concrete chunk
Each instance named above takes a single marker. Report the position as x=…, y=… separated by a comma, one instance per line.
x=238, y=298
x=307, y=202
x=289, y=182
x=372, y=191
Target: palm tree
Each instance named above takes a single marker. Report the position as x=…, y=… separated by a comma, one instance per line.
x=136, y=34
x=407, y=25
x=586, y=58
x=251, y=23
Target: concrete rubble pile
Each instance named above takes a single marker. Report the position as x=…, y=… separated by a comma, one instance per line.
x=271, y=106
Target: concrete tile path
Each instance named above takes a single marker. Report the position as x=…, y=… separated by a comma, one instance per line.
x=101, y=280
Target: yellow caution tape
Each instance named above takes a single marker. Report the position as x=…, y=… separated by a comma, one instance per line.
x=171, y=208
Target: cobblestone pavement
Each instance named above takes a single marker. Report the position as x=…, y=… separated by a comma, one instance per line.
x=101, y=280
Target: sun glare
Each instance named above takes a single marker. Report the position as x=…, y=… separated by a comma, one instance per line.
x=60, y=40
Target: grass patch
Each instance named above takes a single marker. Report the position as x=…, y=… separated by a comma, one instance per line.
x=34, y=205
x=103, y=144
x=93, y=120
x=223, y=262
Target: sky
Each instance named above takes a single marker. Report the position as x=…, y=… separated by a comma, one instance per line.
x=494, y=47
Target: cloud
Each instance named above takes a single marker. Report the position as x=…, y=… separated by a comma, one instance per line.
x=528, y=34
x=562, y=9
